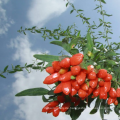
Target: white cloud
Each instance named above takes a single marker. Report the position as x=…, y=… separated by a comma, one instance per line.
x=41, y=11
x=5, y=23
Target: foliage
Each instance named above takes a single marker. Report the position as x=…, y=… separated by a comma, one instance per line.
x=102, y=56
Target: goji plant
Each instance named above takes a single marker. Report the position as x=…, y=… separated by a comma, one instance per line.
x=91, y=72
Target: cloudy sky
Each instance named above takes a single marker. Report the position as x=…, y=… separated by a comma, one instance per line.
x=18, y=49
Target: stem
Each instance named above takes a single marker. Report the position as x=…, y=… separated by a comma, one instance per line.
x=104, y=24
x=117, y=82
x=49, y=87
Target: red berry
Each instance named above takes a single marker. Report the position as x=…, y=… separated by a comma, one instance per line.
x=81, y=78
x=92, y=75
x=75, y=84
x=112, y=93
x=65, y=77
x=65, y=107
x=82, y=93
x=58, y=89
x=50, y=70
x=66, y=87
x=76, y=59
x=108, y=78
x=84, y=86
x=101, y=83
x=56, y=111
x=52, y=78
x=73, y=91
x=110, y=100
x=56, y=65
x=65, y=63
x=75, y=70
x=118, y=92
x=102, y=73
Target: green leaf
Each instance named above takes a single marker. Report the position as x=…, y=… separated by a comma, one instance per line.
x=2, y=76
x=40, y=63
x=97, y=103
x=66, y=4
x=90, y=44
x=62, y=44
x=30, y=65
x=79, y=10
x=110, y=54
x=102, y=106
x=49, y=64
x=51, y=92
x=33, y=92
x=107, y=15
x=96, y=7
x=5, y=68
x=100, y=24
x=47, y=58
x=110, y=62
x=71, y=11
x=44, y=99
x=75, y=113
x=103, y=1
x=12, y=71
x=74, y=51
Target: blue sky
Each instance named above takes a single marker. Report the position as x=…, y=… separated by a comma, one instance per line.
x=16, y=48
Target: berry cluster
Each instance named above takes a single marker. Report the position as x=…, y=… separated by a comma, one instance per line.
x=74, y=80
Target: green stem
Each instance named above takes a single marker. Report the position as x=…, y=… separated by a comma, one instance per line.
x=49, y=87
x=104, y=24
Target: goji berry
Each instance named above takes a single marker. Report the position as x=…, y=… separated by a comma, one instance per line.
x=50, y=70
x=65, y=107
x=65, y=63
x=66, y=87
x=56, y=65
x=56, y=111
x=65, y=77
x=75, y=70
x=81, y=78
x=52, y=78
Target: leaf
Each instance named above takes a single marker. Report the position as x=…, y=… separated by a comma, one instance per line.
x=44, y=99
x=90, y=99
x=117, y=109
x=97, y=103
x=100, y=24
x=66, y=4
x=30, y=65
x=47, y=58
x=33, y=92
x=75, y=113
x=110, y=54
x=12, y=71
x=51, y=92
x=74, y=51
x=102, y=106
x=71, y=11
x=110, y=62
x=90, y=44
x=96, y=7
x=2, y=76
x=5, y=68
x=40, y=63
x=103, y=1
x=107, y=15
x=49, y=64
x=79, y=10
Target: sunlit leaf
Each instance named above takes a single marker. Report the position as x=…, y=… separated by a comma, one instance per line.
x=33, y=92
